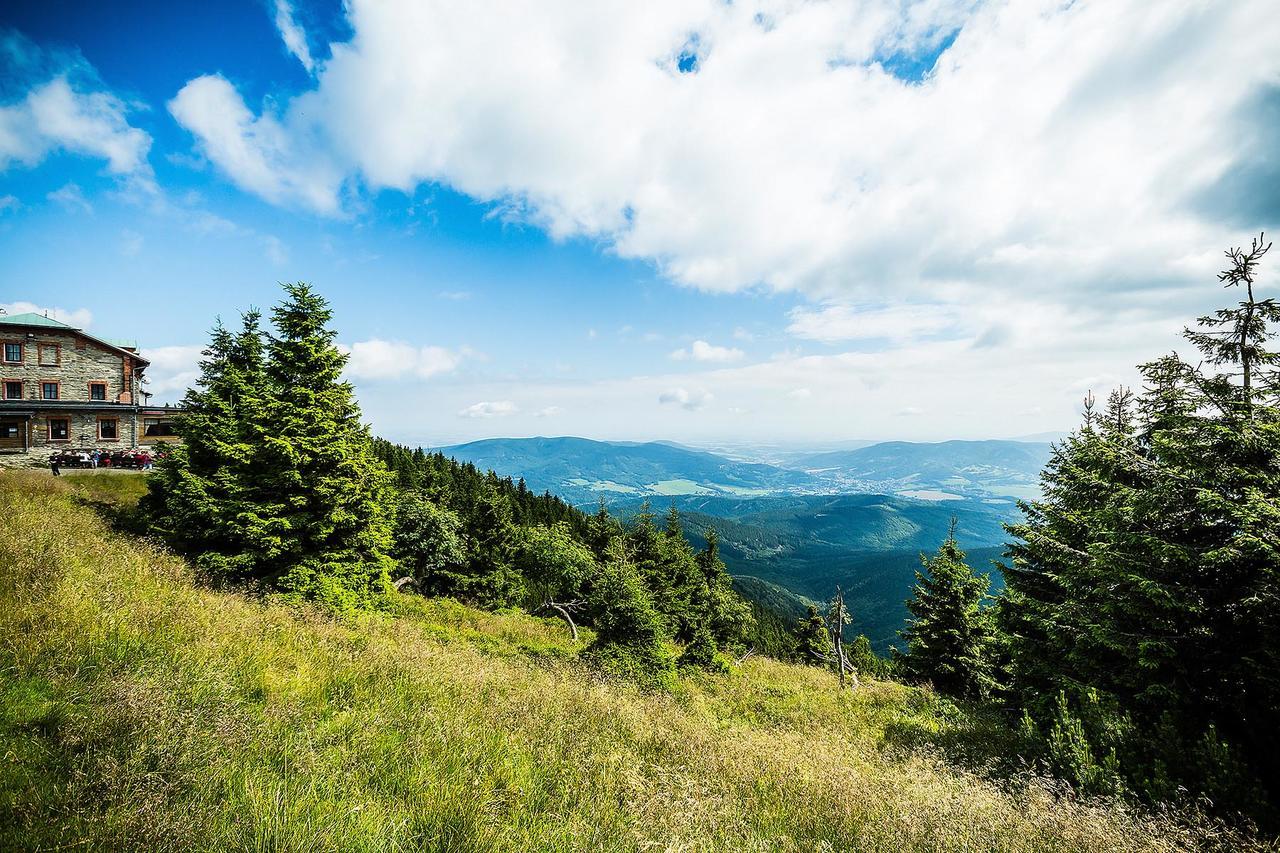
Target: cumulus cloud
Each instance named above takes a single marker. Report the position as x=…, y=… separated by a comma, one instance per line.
x=685, y=399
x=258, y=152
x=493, y=409
x=173, y=370
x=377, y=359
x=703, y=351
x=60, y=105
x=81, y=318
x=295, y=38
x=1048, y=146
x=9, y=203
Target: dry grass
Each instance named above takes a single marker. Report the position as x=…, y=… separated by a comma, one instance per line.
x=142, y=711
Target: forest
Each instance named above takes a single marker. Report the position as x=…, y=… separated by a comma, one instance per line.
x=1132, y=653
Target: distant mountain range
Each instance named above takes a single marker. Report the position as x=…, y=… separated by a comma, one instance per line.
x=946, y=467
x=794, y=528
x=582, y=470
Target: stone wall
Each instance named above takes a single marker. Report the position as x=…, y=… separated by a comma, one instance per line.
x=80, y=362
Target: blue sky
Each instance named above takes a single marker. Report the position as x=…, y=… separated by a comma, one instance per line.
x=714, y=222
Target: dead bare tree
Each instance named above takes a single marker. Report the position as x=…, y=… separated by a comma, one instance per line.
x=837, y=618
x=565, y=610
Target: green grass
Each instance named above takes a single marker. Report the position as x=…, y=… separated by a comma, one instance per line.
x=139, y=710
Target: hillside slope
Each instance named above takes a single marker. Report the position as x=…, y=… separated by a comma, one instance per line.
x=139, y=710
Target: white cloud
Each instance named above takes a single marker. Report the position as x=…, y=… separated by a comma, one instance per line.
x=55, y=115
x=703, y=351
x=259, y=153
x=81, y=318
x=548, y=412
x=71, y=197
x=494, y=409
x=377, y=359
x=898, y=323
x=8, y=203
x=800, y=394
x=685, y=399
x=173, y=370
x=295, y=38
x=791, y=158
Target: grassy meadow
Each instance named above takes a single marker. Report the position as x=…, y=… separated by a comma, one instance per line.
x=142, y=710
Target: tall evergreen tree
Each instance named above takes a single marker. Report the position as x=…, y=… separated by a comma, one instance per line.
x=1144, y=590
x=316, y=503
x=949, y=634
x=200, y=487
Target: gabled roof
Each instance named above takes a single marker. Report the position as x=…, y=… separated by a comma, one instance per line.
x=31, y=319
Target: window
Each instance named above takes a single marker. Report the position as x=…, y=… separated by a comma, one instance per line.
x=10, y=432
x=13, y=353
x=48, y=390
x=59, y=429
x=97, y=390
x=49, y=355
x=154, y=427
x=12, y=390
x=108, y=429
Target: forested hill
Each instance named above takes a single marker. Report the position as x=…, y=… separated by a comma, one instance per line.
x=954, y=467
x=581, y=470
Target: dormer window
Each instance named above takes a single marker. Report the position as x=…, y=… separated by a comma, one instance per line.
x=98, y=391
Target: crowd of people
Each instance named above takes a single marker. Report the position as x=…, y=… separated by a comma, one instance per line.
x=96, y=458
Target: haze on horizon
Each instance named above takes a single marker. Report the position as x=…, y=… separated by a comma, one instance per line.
x=765, y=222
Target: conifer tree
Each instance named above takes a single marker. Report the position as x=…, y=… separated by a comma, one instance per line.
x=1143, y=606
x=200, y=487
x=949, y=633
x=631, y=637
x=812, y=639
x=317, y=508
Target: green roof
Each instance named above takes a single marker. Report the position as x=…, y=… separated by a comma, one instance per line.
x=33, y=319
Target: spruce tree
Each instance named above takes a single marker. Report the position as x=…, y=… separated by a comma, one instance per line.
x=1143, y=607
x=318, y=499
x=631, y=635
x=201, y=485
x=813, y=640
x=949, y=633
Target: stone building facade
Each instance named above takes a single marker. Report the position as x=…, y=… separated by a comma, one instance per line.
x=63, y=389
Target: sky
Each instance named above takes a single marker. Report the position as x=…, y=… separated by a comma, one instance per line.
x=777, y=222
